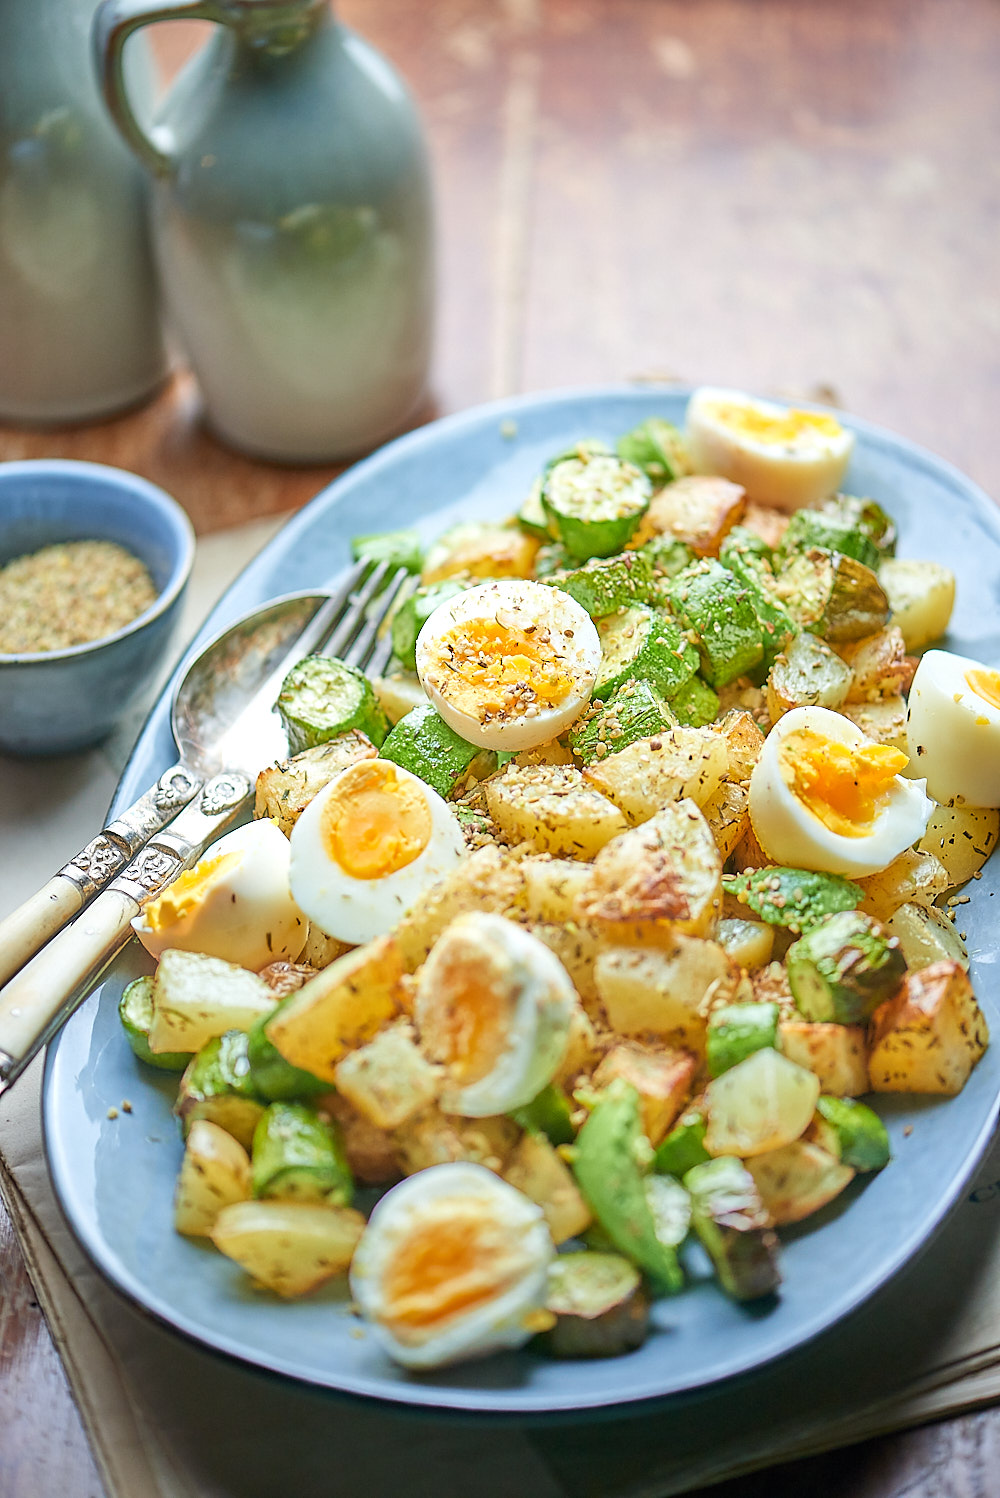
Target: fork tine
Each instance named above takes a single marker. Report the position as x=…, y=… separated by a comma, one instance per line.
x=327, y=615
x=351, y=619
x=368, y=645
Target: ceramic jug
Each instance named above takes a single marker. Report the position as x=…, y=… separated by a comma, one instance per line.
x=292, y=223
x=79, y=320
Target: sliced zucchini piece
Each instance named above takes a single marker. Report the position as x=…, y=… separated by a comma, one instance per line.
x=411, y=616
x=833, y=595
x=398, y=548
x=636, y=711
x=550, y=1113
x=606, y=584
x=531, y=517
x=735, y=1031
x=610, y=1161
x=550, y=558
x=708, y=599
x=830, y=530
x=274, y=1077
x=684, y=1146
x=844, y=967
x=322, y=697
x=595, y=503
x=135, y=1010
x=423, y=743
x=852, y=1132
x=646, y=646
x=865, y=515
x=478, y=550
x=296, y=1156
x=753, y=571
x=600, y=1306
x=694, y=704
x=795, y=898
x=218, y=1086
x=729, y=1218
x=658, y=448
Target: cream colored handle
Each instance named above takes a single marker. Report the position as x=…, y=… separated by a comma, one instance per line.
x=45, y=992
x=40, y=917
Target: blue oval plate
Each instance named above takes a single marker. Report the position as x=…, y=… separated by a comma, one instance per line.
x=115, y=1179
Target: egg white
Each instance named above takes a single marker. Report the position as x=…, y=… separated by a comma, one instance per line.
x=504, y=1320
x=245, y=914
x=521, y=603
x=785, y=474
x=790, y=833
x=357, y=910
x=544, y=1003
x=953, y=733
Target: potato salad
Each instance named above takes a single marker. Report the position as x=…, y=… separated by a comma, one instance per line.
x=595, y=928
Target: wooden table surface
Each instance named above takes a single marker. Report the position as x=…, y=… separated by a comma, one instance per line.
x=775, y=194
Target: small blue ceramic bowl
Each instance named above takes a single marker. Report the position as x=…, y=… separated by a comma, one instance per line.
x=66, y=699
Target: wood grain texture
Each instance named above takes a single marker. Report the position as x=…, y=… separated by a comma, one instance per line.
x=795, y=197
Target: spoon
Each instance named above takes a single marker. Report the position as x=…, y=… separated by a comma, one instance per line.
x=211, y=693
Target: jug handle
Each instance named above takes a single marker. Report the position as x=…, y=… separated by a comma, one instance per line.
x=114, y=23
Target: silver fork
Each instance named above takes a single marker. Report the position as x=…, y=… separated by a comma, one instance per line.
x=38, y=1000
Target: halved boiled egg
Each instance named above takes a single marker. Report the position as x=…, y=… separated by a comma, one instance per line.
x=494, y=1006
x=510, y=664
x=823, y=796
x=367, y=847
x=453, y=1264
x=953, y=728
x=781, y=455
x=235, y=904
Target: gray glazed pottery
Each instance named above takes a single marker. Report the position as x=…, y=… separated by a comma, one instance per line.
x=79, y=317
x=292, y=221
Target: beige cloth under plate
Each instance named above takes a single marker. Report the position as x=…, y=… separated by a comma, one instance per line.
x=169, y=1420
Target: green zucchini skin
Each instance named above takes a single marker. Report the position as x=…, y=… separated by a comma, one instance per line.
x=636, y=711
x=274, y=1077
x=135, y=1010
x=413, y=613
x=610, y=1160
x=853, y=1133
x=531, y=517
x=218, y=1085
x=297, y=1156
x=865, y=515
x=729, y=1218
x=322, y=697
x=606, y=584
x=843, y=968
x=424, y=744
x=667, y=555
x=398, y=548
x=594, y=503
x=658, y=448
x=735, y=1031
x=643, y=644
x=694, y=704
x=600, y=1305
x=709, y=600
x=753, y=571
x=684, y=1147
x=830, y=531
x=550, y=1113
x=833, y=595
x=794, y=898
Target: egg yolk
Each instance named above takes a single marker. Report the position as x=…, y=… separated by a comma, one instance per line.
x=784, y=430
x=189, y=890
x=452, y=1262
x=499, y=670
x=844, y=786
x=374, y=821
x=985, y=684
x=474, y=1006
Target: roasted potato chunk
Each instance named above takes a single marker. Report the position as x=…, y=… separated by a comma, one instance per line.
x=536, y=1169
x=929, y=1036
x=657, y=880
x=879, y=666
x=649, y=774
x=838, y=1054
x=389, y=1079
x=215, y=1172
x=553, y=808
x=662, y=1078
x=288, y=1247
x=285, y=790
x=797, y=1180
x=647, y=991
x=342, y=1007
x=699, y=510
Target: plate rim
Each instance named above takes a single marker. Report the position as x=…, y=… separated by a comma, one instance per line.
x=432, y=1398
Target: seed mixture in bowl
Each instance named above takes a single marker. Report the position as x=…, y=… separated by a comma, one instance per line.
x=70, y=594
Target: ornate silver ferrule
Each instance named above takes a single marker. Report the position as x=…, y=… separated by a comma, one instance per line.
x=97, y=864
x=223, y=792
x=150, y=872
